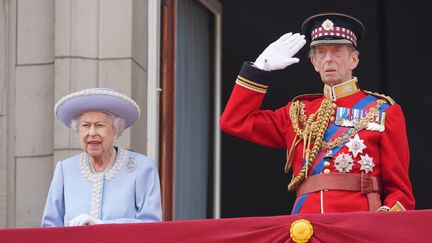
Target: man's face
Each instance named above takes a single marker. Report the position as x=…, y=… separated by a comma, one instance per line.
x=334, y=63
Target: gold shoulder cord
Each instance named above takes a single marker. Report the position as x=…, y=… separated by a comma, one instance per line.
x=387, y=98
x=313, y=131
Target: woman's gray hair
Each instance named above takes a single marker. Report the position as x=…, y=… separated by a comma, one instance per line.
x=119, y=124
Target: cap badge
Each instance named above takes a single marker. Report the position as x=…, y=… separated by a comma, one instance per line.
x=327, y=24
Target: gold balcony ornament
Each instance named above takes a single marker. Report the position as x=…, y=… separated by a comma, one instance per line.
x=397, y=207
x=301, y=231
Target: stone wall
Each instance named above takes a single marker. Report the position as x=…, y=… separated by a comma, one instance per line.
x=60, y=46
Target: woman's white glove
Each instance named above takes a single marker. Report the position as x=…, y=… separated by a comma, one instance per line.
x=84, y=219
x=279, y=54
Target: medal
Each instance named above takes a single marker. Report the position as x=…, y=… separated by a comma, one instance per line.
x=366, y=163
x=356, y=115
x=376, y=126
x=339, y=116
x=343, y=117
x=343, y=163
x=345, y=123
x=372, y=126
x=382, y=122
x=356, y=145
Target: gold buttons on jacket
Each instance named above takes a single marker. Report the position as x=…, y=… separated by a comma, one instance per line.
x=326, y=165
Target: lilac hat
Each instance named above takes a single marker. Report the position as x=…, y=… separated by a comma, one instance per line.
x=97, y=99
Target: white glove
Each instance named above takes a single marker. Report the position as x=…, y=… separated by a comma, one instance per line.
x=83, y=219
x=383, y=209
x=279, y=54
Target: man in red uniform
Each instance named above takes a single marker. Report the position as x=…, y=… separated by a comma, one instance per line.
x=347, y=147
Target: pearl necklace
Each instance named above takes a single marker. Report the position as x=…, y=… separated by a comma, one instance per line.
x=108, y=166
x=97, y=179
x=109, y=172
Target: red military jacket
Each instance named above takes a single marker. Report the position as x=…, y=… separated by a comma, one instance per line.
x=382, y=150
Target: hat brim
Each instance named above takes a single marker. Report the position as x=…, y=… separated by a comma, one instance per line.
x=331, y=42
x=73, y=106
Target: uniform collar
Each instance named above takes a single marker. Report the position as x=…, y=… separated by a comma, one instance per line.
x=341, y=90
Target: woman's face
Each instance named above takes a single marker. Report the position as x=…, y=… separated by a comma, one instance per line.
x=97, y=133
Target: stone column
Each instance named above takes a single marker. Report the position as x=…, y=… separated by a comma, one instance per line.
x=4, y=22
x=33, y=116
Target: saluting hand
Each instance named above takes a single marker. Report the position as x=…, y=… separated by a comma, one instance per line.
x=279, y=54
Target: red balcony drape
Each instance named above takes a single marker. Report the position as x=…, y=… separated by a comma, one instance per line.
x=410, y=226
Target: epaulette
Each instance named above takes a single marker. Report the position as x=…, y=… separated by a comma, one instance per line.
x=307, y=97
x=387, y=98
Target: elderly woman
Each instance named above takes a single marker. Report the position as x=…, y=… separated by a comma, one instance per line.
x=105, y=183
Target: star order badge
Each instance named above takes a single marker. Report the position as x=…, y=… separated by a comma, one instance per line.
x=366, y=163
x=344, y=163
x=356, y=145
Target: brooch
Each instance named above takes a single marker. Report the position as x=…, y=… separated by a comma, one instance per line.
x=131, y=165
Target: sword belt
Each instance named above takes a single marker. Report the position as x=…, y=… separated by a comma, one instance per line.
x=369, y=185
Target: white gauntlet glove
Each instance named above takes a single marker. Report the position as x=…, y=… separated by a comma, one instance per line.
x=83, y=219
x=279, y=54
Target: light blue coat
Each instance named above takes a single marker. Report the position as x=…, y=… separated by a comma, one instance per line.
x=128, y=192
